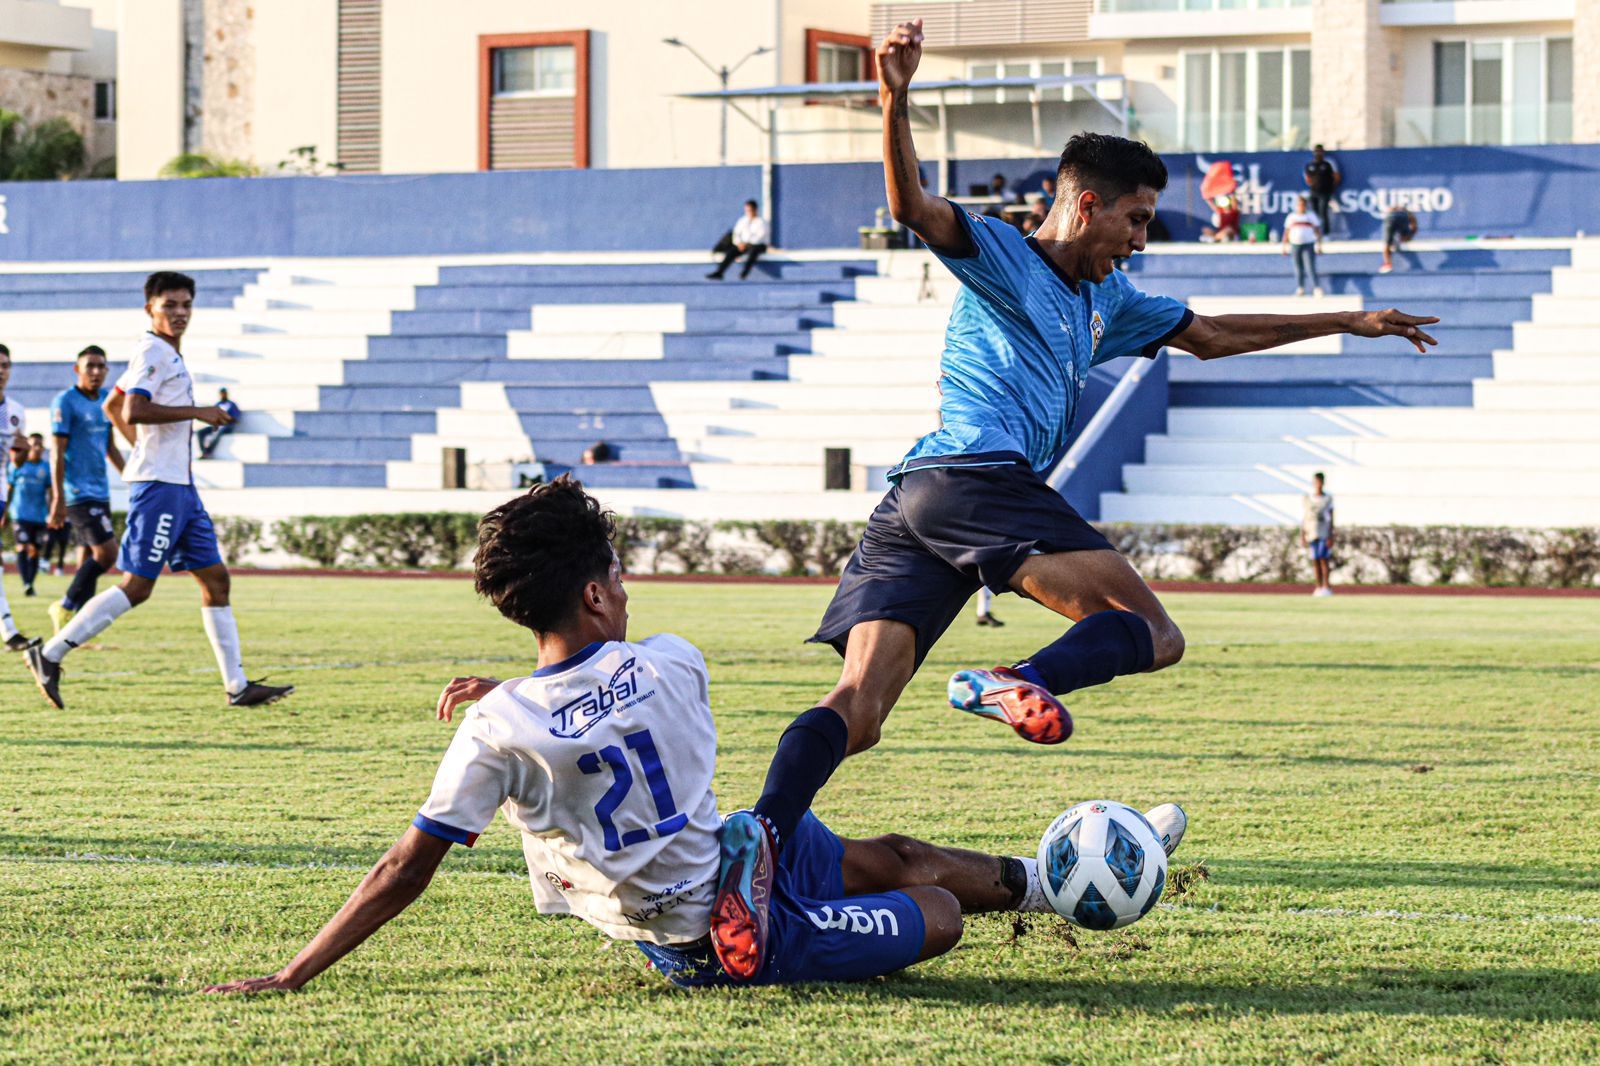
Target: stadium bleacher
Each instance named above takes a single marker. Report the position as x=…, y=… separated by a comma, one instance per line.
x=720, y=397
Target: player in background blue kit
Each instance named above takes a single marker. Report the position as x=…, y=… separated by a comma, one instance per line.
x=603, y=758
x=969, y=505
x=30, y=507
x=168, y=527
x=81, y=492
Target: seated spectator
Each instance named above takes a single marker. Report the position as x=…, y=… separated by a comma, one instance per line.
x=1399, y=226
x=599, y=452
x=1030, y=224
x=1225, y=219
x=209, y=436
x=749, y=240
x=1047, y=194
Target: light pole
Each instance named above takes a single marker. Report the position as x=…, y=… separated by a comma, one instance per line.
x=723, y=73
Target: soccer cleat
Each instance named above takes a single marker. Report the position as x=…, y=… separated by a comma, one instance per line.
x=989, y=620
x=46, y=674
x=60, y=615
x=18, y=642
x=27, y=590
x=255, y=694
x=1002, y=694
x=744, y=893
x=1169, y=822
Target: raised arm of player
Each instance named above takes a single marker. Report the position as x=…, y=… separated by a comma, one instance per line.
x=389, y=888
x=914, y=207
x=1214, y=336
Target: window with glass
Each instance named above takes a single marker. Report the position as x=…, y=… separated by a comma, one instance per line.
x=1245, y=100
x=1496, y=91
x=1030, y=68
x=105, y=100
x=841, y=62
x=546, y=70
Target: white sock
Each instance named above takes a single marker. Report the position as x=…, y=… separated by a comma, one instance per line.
x=1033, y=900
x=8, y=628
x=224, y=634
x=92, y=618
x=985, y=598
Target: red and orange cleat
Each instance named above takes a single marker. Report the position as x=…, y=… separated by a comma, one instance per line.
x=1003, y=694
x=744, y=892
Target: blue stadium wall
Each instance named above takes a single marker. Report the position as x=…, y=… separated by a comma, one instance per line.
x=1456, y=192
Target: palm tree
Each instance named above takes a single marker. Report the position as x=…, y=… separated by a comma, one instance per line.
x=45, y=152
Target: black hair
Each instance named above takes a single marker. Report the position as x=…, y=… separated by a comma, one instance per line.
x=1110, y=166
x=752, y=203
x=1318, y=476
x=1316, y=148
x=536, y=553
x=4, y=350
x=166, y=281
x=93, y=349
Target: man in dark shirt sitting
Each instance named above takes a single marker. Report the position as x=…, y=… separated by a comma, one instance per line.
x=1322, y=181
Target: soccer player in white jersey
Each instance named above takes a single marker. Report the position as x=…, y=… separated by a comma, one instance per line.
x=168, y=527
x=969, y=505
x=13, y=427
x=603, y=757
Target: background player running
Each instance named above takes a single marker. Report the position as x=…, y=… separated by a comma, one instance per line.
x=13, y=427
x=603, y=759
x=969, y=506
x=81, y=496
x=168, y=527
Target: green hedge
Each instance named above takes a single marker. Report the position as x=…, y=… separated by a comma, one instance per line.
x=1566, y=558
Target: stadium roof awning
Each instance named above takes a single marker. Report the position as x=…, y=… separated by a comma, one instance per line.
x=923, y=94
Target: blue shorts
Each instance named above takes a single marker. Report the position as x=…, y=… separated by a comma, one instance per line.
x=167, y=527
x=28, y=532
x=1320, y=550
x=816, y=932
x=940, y=534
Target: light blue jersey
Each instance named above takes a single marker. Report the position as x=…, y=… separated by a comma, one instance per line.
x=1019, y=347
x=30, y=493
x=82, y=421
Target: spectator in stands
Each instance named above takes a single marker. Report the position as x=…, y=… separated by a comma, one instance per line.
x=1047, y=194
x=1302, y=234
x=1322, y=182
x=209, y=436
x=749, y=240
x=1225, y=219
x=599, y=452
x=1316, y=533
x=1030, y=224
x=1399, y=226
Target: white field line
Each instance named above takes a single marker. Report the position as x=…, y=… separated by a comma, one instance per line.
x=97, y=858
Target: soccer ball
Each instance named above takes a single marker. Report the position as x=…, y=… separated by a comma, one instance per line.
x=1102, y=865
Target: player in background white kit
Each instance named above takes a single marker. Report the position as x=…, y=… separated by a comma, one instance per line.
x=603, y=759
x=168, y=527
x=13, y=426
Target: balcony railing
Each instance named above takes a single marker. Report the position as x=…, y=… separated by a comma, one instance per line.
x=1136, y=7
x=1482, y=124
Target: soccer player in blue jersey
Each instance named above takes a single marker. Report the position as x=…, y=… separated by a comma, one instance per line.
x=30, y=506
x=168, y=526
x=80, y=490
x=969, y=506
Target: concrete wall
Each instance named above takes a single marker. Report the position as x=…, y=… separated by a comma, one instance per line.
x=150, y=83
x=296, y=79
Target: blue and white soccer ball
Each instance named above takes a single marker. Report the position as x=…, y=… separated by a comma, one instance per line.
x=1102, y=865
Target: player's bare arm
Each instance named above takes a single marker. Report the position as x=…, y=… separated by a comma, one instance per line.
x=1212, y=337
x=58, y=483
x=113, y=409
x=463, y=690
x=389, y=888
x=140, y=410
x=114, y=454
x=925, y=214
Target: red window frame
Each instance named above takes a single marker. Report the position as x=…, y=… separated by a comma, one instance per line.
x=579, y=40
x=820, y=37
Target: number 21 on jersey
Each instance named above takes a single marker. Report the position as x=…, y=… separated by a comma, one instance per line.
x=643, y=746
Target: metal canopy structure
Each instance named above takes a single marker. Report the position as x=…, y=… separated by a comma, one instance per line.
x=772, y=95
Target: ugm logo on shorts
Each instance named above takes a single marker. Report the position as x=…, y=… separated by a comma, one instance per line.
x=880, y=921
x=162, y=540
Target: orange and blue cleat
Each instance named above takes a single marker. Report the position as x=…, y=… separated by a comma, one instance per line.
x=1004, y=695
x=744, y=893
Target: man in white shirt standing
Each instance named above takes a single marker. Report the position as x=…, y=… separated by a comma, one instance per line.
x=168, y=526
x=603, y=759
x=1316, y=533
x=749, y=240
x=13, y=427
x=1303, y=234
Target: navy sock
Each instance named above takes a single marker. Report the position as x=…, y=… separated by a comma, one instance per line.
x=808, y=752
x=27, y=567
x=1102, y=646
x=81, y=590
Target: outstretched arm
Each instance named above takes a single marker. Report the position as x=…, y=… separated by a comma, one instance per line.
x=390, y=887
x=925, y=214
x=1214, y=336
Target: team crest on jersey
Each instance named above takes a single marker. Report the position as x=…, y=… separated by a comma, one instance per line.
x=1097, y=326
x=150, y=373
x=557, y=880
x=576, y=718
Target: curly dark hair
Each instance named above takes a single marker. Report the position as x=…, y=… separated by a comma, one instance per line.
x=1110, y=166
x=166, y=281
x=537, y=552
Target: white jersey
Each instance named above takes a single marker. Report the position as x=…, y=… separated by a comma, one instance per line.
x=604, y=763
x=161, y=452
x=13, y=427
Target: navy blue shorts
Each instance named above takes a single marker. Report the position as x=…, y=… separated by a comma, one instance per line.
x=1319, y=549
x=91, y=522
x=940, y=534
x=816, y=932
x=28, y=533
x=167, y=527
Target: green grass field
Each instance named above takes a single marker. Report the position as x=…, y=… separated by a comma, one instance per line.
x=1394, y=844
